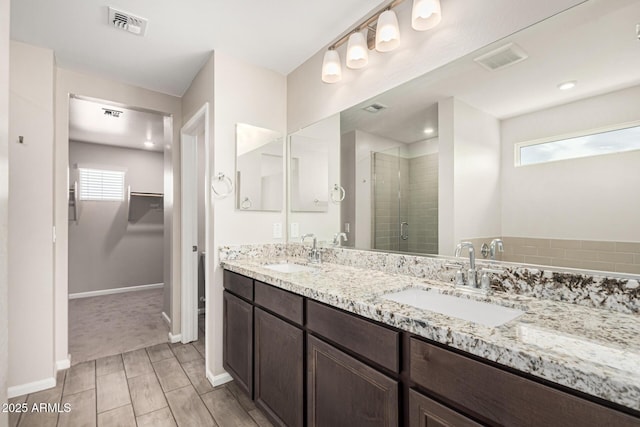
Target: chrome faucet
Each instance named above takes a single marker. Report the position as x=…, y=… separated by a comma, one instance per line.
x=471, y=273
x=337, y=237
x=315, y=255
x=495, y=244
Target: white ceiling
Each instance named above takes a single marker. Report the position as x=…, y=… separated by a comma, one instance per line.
x=276, y=34
x=88, y=123
x=594, y=43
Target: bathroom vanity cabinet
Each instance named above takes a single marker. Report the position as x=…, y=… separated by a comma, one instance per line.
x=308, y=364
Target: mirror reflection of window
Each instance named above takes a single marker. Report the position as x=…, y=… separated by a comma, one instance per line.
x=259, y=169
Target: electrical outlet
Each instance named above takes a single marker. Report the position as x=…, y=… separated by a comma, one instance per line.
x=347, y=227
x=277, y=230
x=295, y=230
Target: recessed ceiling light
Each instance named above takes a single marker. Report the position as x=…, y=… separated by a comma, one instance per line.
x=149, y=144
x=567, y=85
x=429, y=131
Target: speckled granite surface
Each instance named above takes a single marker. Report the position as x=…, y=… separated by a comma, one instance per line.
x=595, y=351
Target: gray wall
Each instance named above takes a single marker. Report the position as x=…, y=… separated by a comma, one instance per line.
x=107, y=251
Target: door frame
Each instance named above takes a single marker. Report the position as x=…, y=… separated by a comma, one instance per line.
x=189, y=221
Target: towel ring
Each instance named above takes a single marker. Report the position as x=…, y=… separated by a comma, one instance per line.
x=221, y=177
x=246, y=203
x=341, y=193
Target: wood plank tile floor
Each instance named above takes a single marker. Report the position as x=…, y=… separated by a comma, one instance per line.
x=162, y=385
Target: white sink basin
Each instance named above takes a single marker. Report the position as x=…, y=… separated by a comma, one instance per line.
x=463, y=308
x=288, y=268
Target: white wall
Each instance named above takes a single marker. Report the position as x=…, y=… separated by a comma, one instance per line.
x=106, y=250
x=243, y=93
x=593, y=198
x=4, y=201
x=476, y=173
x=469, y=184
x=72, y=82
x=323, y=224
x=31, y=313
x=465, y=27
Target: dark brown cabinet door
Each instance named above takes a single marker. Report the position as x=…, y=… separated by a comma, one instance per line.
x=237, y=349
x=424, y=412
x=342, y=391
x=279, y=353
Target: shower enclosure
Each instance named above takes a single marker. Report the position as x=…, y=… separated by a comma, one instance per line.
x=405, y=201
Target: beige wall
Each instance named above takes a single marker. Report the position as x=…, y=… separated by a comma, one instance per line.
x=106, y=250
x=72, y=82
x=243, y=93
x=31, y=313
x=4, y=200
x=465, y=27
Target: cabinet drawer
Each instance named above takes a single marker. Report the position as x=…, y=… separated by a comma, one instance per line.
x=283, y=303
x=425, y=412
x=502, y=397
x=238, y=284
x=379, y=344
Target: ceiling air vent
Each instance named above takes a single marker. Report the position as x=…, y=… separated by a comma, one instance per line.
x=374, y=108
x=502, y=57
x=128, y=22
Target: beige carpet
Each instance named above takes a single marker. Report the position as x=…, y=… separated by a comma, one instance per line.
x=113, y=324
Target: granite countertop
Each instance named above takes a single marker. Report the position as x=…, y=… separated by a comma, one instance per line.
x=592, y=350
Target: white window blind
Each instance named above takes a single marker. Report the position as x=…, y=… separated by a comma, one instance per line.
x=101, y=184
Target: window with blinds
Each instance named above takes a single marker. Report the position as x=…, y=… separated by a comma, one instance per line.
x=101, y=184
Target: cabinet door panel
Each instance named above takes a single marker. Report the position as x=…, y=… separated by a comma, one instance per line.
x=342, y=391
x=279, y=352
x=237, y=349
x=424, y=412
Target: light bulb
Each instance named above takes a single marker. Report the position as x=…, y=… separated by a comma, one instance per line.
x=387, y=32
x=331, y=67
x=357, y=52
x=425, y=14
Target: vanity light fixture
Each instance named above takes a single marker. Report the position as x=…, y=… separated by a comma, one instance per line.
x=567, y=85
x=149, y=144
x=425, y=14
x=387, y=32
x=331, y=67
x=382, y=33
x=357, y=52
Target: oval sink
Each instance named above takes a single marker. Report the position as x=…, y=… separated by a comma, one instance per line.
x=484, y=313
x=288, y=267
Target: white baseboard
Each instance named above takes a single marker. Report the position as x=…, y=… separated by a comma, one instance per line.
x=33, y=387
x=63, y=364
x=174, y=338
x=217, y=380
x=115, y=291
x=166, y=318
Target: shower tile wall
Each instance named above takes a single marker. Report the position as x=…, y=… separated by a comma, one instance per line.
x=387, y=212
x=423, y=204
x=417, y=181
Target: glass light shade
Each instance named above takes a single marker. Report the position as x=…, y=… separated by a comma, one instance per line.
x=387, y=32
x=357, y=51
x=331, y=67
x=425, y=14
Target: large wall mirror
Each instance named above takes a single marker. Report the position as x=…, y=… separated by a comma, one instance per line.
x=259, y=168
x=438, y=159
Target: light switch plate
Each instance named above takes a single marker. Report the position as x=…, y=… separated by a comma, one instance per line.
x=295, y=230
x=277, y=230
